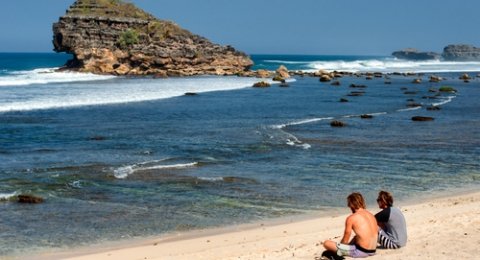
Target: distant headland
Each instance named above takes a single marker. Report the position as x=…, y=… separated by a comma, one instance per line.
x=115, y=37
x=453, y=52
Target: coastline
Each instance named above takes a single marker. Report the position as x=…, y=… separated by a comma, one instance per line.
x=440, y=227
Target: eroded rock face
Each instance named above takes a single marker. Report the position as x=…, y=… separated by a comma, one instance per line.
x=113, y=37
x=461, y=52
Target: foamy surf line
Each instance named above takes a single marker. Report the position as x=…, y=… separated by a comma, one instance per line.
x=125, y=171
x=46, y=76
x=116, y=91
x=7, y=196
x=390, y=65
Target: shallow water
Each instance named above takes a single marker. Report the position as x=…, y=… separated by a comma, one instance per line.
x=119, y=167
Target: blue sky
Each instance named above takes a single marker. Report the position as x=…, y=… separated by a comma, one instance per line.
x=373, y=27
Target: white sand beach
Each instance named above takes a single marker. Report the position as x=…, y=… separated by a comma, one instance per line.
x=442, y=228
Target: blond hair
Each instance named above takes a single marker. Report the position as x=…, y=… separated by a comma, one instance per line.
x=356, y=201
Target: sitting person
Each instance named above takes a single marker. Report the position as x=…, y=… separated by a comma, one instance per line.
x=393, y=229
x=363, y=224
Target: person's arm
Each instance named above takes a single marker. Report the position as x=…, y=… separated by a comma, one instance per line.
x=348, y=231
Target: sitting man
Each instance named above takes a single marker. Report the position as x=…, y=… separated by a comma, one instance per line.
x=363, y=224
x=393, y=229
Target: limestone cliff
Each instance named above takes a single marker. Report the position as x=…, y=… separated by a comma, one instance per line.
x=114, y=37
x=461, y=52
x=414, y=54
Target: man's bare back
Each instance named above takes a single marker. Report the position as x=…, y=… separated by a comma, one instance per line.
x=364, y=225
x=361, y=223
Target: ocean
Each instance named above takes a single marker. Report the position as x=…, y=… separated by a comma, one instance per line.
x=123, y=157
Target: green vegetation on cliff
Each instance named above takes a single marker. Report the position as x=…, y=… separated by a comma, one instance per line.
x=128, y=38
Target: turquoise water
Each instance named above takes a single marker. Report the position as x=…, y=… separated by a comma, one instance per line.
x=120, y=158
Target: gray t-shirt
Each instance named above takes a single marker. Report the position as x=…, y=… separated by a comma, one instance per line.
x=395, y=225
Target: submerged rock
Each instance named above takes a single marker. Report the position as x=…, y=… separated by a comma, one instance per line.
x=366, y=116
x=422, y=118
x=261, y=84
x=337, y=123
x=30, y=199
x=115, y=37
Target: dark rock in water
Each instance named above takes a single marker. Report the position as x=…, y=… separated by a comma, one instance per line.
x=422, y=118
x=191, y=94
x=98, y=138
x=410, y=92
x=369, y=78
x=336, y=123
x=434, y=78
x=417, y=81
x=447, y=89
x=356, y=93
x=403, y=88
x=414, y=54
x=335, y=83
x=388, y=82
x=461, y=52
x=29, y=199
x=325, y=78
x=344, y=100
x=261, y=84
x=433, y=108
x=413, y=104
x=465, y=77
x=357, y=86
x=284, y=85
x=366, y=116
x=115, y=37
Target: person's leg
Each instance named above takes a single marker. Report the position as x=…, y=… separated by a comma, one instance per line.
x=385, y=241
x=330, y=245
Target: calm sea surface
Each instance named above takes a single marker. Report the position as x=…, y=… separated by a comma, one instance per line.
x=118, y=158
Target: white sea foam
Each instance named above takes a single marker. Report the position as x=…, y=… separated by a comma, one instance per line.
x=113, y=91
x=286, y=62
x=125, y=171
x=211, y=179
x=301, y=122
x=395, y=65
x=444, y=101
x=46, y=76
x=7, y=196
x=409, y=109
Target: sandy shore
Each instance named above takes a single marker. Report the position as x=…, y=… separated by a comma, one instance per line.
x=442, y=228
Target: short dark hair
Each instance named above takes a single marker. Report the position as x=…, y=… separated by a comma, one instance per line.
x=356, y=201
x=385, y=197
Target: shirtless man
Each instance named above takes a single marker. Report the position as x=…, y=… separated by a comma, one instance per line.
x=363, y=224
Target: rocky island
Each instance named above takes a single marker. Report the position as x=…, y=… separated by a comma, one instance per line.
x=414, y=54
x=461, y=52
x=115, y=37
x=452, y=52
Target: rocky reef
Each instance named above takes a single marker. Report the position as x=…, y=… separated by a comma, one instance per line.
x=414, y=54
x=461, y=52
x=115, y=37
